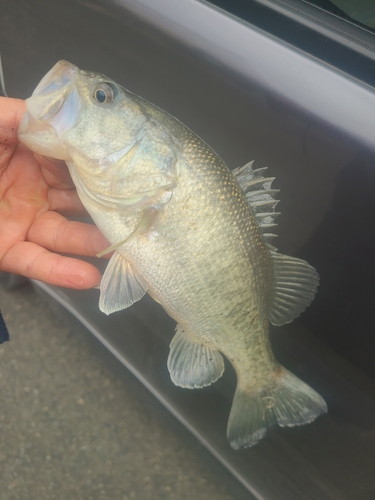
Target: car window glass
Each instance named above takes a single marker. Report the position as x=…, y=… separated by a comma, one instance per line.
x=361, y=11
x=342, y=39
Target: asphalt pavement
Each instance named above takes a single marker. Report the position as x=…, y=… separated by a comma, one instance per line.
x=70, y=429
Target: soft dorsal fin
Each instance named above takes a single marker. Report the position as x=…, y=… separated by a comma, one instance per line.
x=294, y=285
x=260, y=195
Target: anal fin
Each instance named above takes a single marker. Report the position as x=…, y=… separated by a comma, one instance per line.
x=191, y=363
x=120, y=286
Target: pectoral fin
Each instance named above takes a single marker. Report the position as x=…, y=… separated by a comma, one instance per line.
x=191, y=363
x=120, y=286
x=294, y=285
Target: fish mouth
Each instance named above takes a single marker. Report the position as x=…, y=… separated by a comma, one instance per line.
x=53, y=109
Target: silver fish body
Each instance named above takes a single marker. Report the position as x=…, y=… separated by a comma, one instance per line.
x=187, y=231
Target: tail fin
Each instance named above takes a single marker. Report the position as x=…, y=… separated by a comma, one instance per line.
x=288, y=402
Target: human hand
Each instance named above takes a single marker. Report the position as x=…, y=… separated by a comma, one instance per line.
x=33, y=192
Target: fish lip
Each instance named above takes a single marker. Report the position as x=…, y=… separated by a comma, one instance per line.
x=51, y=111
x=62, y=72
x=52, y=91
x=29, y=126
x=38, y=139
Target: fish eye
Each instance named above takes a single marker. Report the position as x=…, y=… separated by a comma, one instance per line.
x=105, y=93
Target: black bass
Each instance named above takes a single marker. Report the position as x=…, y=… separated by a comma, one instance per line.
x=188, y=231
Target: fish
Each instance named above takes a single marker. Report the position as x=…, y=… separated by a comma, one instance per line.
x=187, y=230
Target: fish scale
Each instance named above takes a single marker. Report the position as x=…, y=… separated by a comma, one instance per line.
x=209, y=268
x=187, y=231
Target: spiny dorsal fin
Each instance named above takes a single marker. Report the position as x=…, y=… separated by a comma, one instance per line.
x=294, y=281
x=259, y=194
x=268, y=237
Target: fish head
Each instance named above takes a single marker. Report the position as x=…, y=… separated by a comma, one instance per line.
x=72, y=110
x=114, y=150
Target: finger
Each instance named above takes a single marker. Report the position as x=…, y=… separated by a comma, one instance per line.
x=12, y=111
x=55, y=172
x=32, y=261
x=66, y=201
x=22, y=187
x=51, y=230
